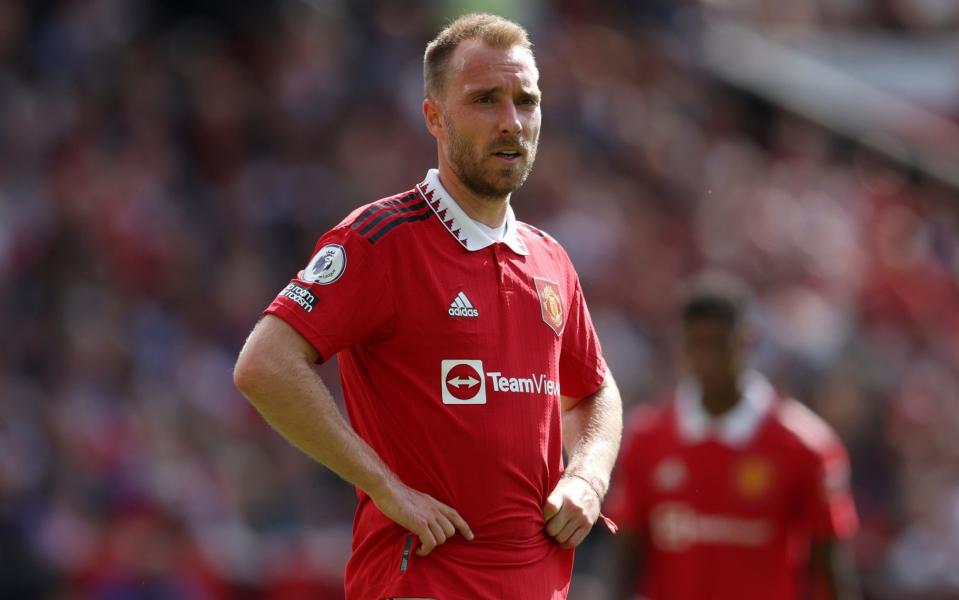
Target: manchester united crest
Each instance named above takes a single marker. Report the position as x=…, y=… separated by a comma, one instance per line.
x=753, y=477
x=551, y=304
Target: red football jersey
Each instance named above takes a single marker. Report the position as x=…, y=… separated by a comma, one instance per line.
x=453, y=351
x=729, y=506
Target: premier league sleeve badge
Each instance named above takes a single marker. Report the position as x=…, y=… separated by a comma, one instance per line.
x=326, y=266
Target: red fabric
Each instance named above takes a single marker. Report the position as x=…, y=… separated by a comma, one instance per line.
x=387, y=315
x=731, y=523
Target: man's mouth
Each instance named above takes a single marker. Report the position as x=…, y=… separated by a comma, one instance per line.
x=508, y=154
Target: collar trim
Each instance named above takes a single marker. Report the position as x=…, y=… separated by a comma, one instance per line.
x=460, y=225
x=737, y=427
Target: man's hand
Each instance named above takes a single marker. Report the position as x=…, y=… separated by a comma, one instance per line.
x=429, y=519
x=570, y=511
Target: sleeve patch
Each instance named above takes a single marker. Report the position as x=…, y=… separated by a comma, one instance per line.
x=302, y=296
x=326, y=266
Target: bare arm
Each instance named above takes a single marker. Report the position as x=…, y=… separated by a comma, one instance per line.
x=832, y=572
x=274, y=372
x=592, y=429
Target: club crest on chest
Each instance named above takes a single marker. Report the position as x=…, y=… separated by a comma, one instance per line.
x=752, y=477
x=551, y=304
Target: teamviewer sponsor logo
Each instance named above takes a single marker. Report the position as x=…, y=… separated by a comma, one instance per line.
x=462, y=307
x=463, y=382
x=534, y=384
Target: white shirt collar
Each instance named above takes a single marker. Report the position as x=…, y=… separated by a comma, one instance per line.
x=496, y=233
x=735, y=428
x=460, y=225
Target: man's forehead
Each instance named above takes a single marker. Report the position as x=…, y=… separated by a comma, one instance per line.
x=475, y=60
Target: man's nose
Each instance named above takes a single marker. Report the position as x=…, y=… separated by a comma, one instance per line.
x=509, y=119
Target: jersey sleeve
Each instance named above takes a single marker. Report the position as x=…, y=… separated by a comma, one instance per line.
x=828, y=507
x=582, y=367
x=341, y=298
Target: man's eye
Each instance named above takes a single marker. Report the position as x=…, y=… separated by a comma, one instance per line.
x=484, y=100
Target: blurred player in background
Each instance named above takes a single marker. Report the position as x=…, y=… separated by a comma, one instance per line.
x=730, y=491
x=457, y=327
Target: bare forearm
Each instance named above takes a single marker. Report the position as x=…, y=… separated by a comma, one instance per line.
x=293, y=399
x=833, y=572
x=591, y=434
x=275, y=373
x=299, y=406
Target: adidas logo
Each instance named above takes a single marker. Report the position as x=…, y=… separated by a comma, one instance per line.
x=461, y=307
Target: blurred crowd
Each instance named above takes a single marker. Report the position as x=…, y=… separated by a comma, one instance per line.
x=165, y=168
x=911, y=16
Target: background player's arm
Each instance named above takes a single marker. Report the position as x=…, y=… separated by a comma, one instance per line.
x=592, y=428
x=832, y=571
x=828, y=508
x=275, y=373
x=627, y=564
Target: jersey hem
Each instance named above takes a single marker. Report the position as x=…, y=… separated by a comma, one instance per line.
x=303, y=328
x=593, y=385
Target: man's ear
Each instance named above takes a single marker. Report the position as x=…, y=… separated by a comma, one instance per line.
x=433, y=115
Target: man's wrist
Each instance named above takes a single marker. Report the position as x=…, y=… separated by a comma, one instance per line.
x=379, y=486
x=594, y=484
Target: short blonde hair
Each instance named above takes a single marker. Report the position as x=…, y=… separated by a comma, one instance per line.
x=492, y=30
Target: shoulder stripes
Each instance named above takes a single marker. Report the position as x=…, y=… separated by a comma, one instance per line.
x=806, y=425
x=384, y=216
x=534, y=231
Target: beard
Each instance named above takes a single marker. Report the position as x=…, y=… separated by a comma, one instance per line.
x=467, y=161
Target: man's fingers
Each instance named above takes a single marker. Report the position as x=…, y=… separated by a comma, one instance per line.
x=446, y=524
x=458, y=522
x=578, y=537
x=427, y=542
x=557, y=523
x=438, y=533
x=567, y=531
x=553, y=505
x=567, y=520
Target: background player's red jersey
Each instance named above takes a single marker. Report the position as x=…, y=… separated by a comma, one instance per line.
x=453, y=353
x=729, y=506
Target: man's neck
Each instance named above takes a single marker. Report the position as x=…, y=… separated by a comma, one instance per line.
x=488, y=211
x=721, y=399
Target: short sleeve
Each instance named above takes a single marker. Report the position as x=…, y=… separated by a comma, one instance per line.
x=341, y=298
x=582, y=368
x=829, y=510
